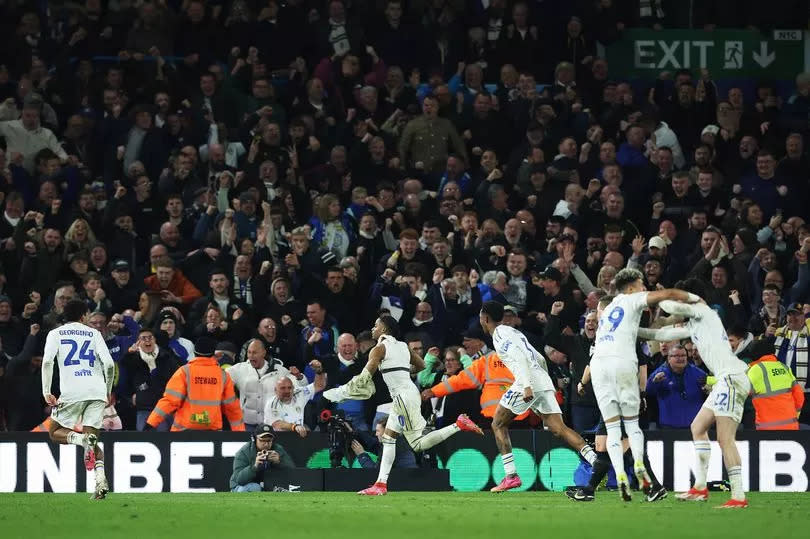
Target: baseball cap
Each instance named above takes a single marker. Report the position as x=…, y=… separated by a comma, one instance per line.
x=796, y=307
x=264, y=430
x=474, y=332
x=510, y=308
x=205, y=347
x=710, y=129
x=551, y=273
x=226, y=346
x=657, y=242
x=120, y=265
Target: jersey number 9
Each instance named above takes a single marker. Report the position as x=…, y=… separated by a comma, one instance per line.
x=85, y=353
x=615, y=317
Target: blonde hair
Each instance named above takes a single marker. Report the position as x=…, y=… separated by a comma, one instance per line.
x=322, y=208
x=70, y=235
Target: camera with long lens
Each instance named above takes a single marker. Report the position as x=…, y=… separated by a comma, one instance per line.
x=341, y=434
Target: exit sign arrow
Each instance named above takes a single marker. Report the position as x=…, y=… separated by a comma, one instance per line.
x=763, y=57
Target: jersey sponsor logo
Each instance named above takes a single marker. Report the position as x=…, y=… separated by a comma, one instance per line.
x=206, y=380
x=606, y=338
x=83, y=372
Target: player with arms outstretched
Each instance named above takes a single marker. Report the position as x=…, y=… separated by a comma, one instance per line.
x=614, y=369
x=724, y=405
x=532, y=388
x=394, y=360
x=86, y=373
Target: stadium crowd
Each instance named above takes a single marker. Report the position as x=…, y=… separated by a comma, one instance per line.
x=275, y=175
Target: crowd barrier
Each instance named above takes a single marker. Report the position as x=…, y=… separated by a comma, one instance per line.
x=202, y=462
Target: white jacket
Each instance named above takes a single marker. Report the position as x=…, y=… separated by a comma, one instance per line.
x=257, y=387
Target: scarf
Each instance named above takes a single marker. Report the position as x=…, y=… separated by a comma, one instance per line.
x=791, y=349
x=149, y=359
x=243, y=289
x=646, y=8
x=419, y=323
x=749, y=338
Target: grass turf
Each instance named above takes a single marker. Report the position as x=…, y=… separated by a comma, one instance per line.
x=400, y=514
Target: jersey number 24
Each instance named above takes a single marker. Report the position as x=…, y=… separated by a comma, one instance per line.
x=85, y=353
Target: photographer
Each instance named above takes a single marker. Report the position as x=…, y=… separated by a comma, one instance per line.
x=256, y=458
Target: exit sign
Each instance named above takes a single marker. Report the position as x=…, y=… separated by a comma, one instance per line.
x=725, y=53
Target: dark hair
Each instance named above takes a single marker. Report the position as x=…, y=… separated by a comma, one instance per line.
x=693, y=285
x=217, y=271
x=391, y=326
x=493, y=310
x=75, y=310
x=738, y=331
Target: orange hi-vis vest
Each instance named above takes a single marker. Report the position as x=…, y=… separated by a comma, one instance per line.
x=488, y=374
x=778, y=397
x=197, y=394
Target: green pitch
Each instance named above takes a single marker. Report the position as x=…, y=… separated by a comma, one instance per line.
x=399, y=515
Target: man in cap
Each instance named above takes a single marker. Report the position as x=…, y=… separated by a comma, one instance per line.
x=254, y=459
x=121, y=289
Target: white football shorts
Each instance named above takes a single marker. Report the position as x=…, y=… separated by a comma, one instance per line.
x=88, y=413
x=615, y=385
x=728, y=396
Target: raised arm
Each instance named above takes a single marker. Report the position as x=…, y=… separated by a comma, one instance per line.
x=417, y=363
x=654, y=298
x=666, y=334
x=375, y=357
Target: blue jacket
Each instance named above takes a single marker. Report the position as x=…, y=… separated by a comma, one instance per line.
x=628, y=156
x=764, y=193
x=679, y=397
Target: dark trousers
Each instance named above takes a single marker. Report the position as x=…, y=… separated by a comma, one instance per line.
x=584, y=418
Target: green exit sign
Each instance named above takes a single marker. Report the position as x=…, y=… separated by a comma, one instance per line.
x=725, y=53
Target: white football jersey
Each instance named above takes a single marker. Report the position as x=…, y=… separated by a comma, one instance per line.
x=709, y=337
x=291, y=412
x=396, y=367
x=83, y=360
x=618, y=327
x=524, y=362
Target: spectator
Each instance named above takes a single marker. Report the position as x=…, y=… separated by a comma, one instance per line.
x=254, y=459
x=174, y=287
x=429, y=139
x=790, y=347
x=285, y=411
x=144, y=371
x=255, y=379
x=679, y=388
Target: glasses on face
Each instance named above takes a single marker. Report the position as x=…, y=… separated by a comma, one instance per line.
x=147, y=337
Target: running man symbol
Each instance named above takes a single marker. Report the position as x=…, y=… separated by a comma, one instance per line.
x=734, y=55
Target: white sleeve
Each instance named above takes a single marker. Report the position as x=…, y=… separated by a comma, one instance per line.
x=669, y=333
x=270, y=416
x=103, y=353
x=308, y=391
x=641, y=300
x=683, y=309
x=51, y=350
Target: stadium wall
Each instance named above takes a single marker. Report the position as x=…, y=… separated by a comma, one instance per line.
x=201, y=462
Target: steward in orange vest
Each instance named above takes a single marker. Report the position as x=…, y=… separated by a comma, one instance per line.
x=488, y=374
x=198, y=394
x=778, y=397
